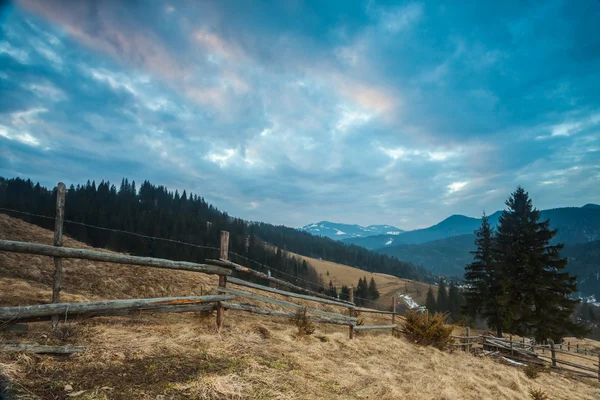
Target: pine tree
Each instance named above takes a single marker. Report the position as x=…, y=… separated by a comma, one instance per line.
x=373, y=292
x=332, y=291
x=442, y=297
x=536, y=288
x=344, y=293
x=430, y=302
x=361, y=295
x=483, y=293
x=454, y=300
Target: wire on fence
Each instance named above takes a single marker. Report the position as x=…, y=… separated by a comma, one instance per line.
x=181, y=243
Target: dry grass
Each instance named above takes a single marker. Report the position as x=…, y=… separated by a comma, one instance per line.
x=387, y=285
x=180, y=356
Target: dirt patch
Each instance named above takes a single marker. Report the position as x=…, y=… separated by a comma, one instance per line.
x=127, y=379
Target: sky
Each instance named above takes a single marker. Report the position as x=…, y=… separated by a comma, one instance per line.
x=293, y=112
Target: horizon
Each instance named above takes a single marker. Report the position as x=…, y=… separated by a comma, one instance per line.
x=367, y=113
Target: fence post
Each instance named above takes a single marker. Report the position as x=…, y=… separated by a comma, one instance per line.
x=58, y=240
x=568, y=346
x=222, y=278
x=426, y=317
x=553, y=353
x=468, y=346
x=350, y=313
x=394, y=309
x=577, y=348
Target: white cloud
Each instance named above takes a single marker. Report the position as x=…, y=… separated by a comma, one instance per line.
x=18, y=54
x=457, y=186
x=222, y=158
x=19, y=136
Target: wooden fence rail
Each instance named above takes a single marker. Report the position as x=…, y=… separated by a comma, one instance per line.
x=102, y=308
x=93, y=255
x=257, y=274
x=528, y=351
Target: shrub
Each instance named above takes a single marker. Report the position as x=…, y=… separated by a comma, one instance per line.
x=432, y=331
x=532, y=371
x=538, y=394
x=304, y=325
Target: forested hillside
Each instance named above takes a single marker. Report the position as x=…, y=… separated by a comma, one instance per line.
x=155, y=211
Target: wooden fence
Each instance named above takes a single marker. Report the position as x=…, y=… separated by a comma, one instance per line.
x=223, y=267
x=528, y=351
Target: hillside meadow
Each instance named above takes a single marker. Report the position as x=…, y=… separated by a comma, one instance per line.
x=182, y=356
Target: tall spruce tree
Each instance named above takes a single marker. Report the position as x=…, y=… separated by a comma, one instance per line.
x=430, y=302
x=483, y=293
x=361, y=296
x=454, y=301
x=373, y=292
x=536, y=290
x=442, y=297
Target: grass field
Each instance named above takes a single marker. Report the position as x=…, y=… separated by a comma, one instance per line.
x=341, y=274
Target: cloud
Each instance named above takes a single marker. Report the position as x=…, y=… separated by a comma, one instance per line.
x=291, y=112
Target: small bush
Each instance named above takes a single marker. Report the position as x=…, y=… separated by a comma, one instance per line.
x=538, y=394
x=64, y=331
x=304, y=325
x=433, y=332
x=532, y=371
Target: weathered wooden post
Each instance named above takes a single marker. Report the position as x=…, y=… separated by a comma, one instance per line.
x=58, y=241
x=468, y=346
x=577, y=348
x=426, y=317
x=222, y=278
x=568, y=346
x=394, y=309
x=350, y=311
x=553, y=355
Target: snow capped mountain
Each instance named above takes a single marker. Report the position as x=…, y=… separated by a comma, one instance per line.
x=338, y=231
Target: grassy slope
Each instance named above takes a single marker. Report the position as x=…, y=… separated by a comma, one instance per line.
x=254, y=357
x=341, y=274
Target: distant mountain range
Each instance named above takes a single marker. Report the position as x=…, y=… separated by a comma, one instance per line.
x=574, y=224
x=337, y=231
x=444, y=248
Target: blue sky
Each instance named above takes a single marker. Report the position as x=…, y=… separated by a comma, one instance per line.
x=293, y=112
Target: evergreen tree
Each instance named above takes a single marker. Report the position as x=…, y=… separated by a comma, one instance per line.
x=331, y=291
x=373, y=292
x=344, y=293
x=483, y=293
x=536, y=290
x=442, y=297
x=454, y=301
x=361, y=294
x=430, y=302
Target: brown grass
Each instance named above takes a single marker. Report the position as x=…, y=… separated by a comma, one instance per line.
x=181, y=356
x=387, y=285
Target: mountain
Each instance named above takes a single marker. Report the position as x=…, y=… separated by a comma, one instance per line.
x=375, y=242
x=446, y=256
x=337, y=231
x=584, y=261
x=574, y=224
x=578, y=228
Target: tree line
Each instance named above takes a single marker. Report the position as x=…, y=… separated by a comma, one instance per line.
x=517, y=282
x=155, y=211
x=449, y=301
